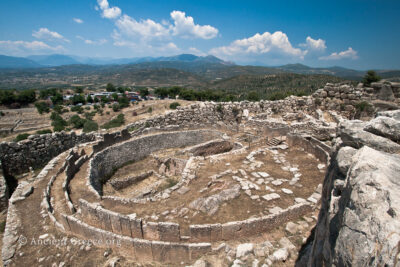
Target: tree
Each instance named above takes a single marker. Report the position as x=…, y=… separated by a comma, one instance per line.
x=144, y=92
x=90, y=126
x=76, y=121
x=253, y=96
x=76, y=99
x=110, y=87
x=78, y=90
x=370, y=77
x=45, y=93
x=121, y=89
x=57, y=98
x=57, y=122
x=89, y=99
x=26, y=97
x=42, y=106
x=123, y=102
x=115, y=96
x=7, y=97
x=161, y=92
x=174, y=91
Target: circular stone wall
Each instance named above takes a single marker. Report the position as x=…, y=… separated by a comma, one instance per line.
x=105, y=162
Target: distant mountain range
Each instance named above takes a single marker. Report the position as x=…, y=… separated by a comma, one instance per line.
x=184, y=69
x=55, y=60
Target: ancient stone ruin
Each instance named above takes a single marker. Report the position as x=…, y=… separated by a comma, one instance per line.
x=236, y=184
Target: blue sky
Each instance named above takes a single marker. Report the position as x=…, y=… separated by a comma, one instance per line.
x=359, y=34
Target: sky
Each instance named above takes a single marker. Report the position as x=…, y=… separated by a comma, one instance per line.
x=359, y=34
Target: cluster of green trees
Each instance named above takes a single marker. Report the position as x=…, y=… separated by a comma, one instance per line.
x=112, y=88
x=190, y=94
x=76, y=122
x=16, y=99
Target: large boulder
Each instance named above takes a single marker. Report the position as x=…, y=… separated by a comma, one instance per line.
x=384, y=126
x=360, y=225
x=352, y=134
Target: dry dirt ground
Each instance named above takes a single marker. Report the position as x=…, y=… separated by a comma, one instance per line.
x=240, y=208
x=28, y=120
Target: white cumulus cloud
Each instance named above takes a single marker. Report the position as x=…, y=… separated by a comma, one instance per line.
x=184, y=26
x=314, y=44
x=92, y=42
x=276, y=43
x=107, y=11
x=144, y=29
x=44, y=33
x=79, y=21
x=350, y=53
x=25, y=47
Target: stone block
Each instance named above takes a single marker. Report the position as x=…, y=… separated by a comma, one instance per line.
x=169, y=231
x=200, y=233
x=115, y=222
x=126, y=245
x=252, y=226
x=216, y=232
x=160, y=251
x=75, y=226
x=143, y=251
x=136, y=228
x=231, y=230
x=125, y=226
x=179, y=252
x=103, y=219
x=198, y=249
x=150, y=231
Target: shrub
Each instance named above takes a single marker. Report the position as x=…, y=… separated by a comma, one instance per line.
x=253, y=96
x=90, y=126
x=46, y=131
x=87, y=108
x=110, y=87
x=370, y=77
x=21, y=137
x=174, y=105
x=42, y=107
x=123, y=102
x=116, y=107
x=90, y=115
x=59, y=109
x=77, y=109
x=77, y=99
x=76, y=121
x=58, y=122
x=118, y=121
x=150, y=110
x=363, y=106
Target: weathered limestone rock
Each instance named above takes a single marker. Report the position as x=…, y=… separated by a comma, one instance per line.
x=352, y=134
x=211, y=204
x=344, y=158
x=385, y=127
x=244, y=249
x=360, y=227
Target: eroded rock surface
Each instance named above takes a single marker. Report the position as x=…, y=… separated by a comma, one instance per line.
x=359, y=221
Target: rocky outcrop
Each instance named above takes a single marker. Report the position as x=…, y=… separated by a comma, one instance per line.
x=359, y=220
